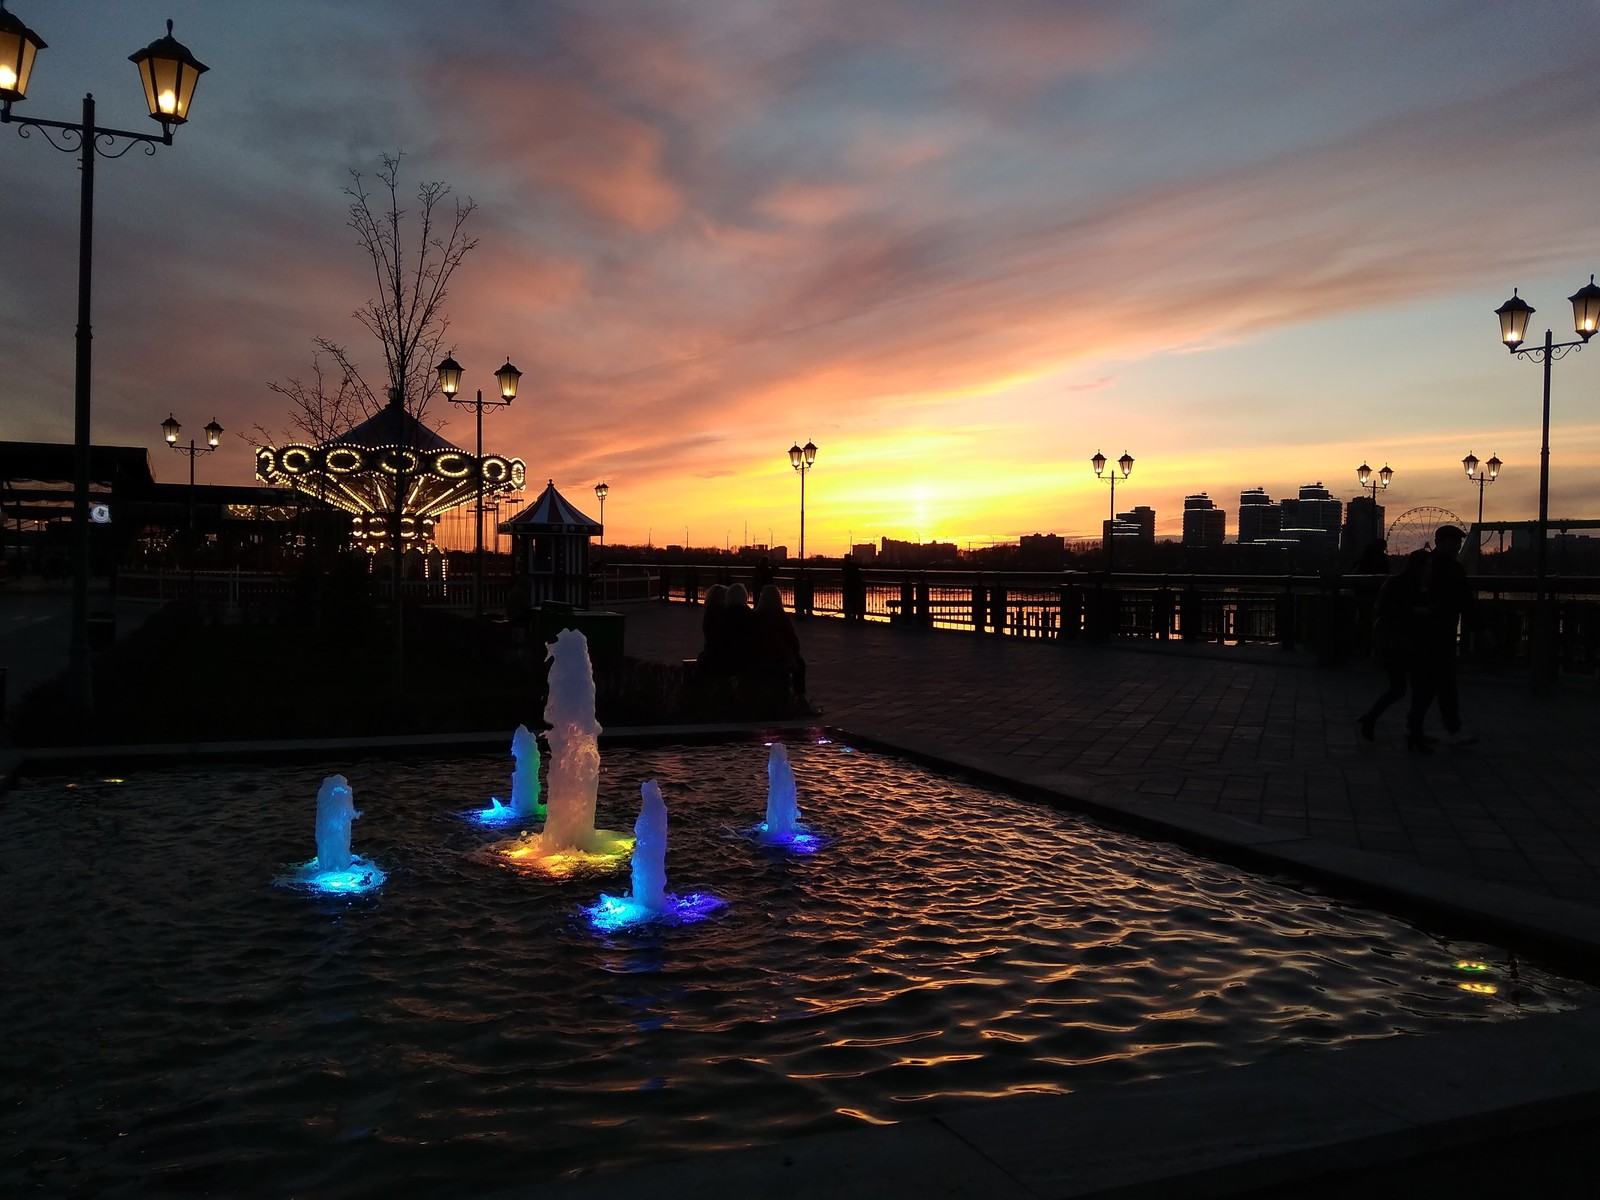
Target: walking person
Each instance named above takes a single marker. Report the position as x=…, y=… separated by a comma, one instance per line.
x=1402, y=606
x=1450, y=609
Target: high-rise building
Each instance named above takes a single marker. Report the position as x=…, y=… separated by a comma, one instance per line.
x=1259, y=517
x=1361, y=523
x=1204, y=524
x=1145, y=518
x=1314, y=508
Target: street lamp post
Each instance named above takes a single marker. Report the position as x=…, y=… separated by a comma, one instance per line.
x=1491, y=471
x=1513, y=316
x=1125, y=464
x=802, y=459
x=170, y=430
x=601, y=491
x=168, y=73
x=1373, y=482
x=450, y=383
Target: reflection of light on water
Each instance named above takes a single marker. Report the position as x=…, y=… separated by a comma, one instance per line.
x=800, y=840
x=1482, y=989
x=361, y=877
x=526, y=855
x=500, y=814
x=612, y=913
x=1471, y=965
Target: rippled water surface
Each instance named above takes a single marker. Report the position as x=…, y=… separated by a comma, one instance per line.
x=173, y=1020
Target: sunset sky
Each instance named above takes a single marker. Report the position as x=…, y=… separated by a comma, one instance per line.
x=959, y=245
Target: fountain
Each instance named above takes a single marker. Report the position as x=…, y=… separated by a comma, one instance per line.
x=650, y=900
x=569, y=842
x=335, y=868
x=783, y=826
x=526, y=802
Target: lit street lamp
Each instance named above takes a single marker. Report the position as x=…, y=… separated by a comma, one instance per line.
x=601, y=491
x=802, y=458
x=1513, y=315
x=450, y=383
x=1373, y=483
x=168, y=73
x=1125, y=463
x=1491, y=470
x=170, y=430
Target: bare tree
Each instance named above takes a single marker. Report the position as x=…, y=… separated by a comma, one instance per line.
x=412, y=266
x=406, y=316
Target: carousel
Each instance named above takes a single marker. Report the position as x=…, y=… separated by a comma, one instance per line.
x=362, y=471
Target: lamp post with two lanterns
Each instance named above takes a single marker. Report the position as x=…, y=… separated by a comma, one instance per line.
x=1489, y=473
x=802, y=458
x=170, y=430
x=168, y=73
x=601, y=491
x=450, y=384
x=1374, y=481
x=1125, y=465
x=1513, y=315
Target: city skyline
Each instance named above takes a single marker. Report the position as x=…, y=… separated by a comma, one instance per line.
x=960, y=251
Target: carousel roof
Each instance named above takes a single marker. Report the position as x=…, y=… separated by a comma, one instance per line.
x=360, y=470
x=550, y=513
x=393, y=426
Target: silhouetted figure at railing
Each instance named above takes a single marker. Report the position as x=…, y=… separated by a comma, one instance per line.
x=853, y=589
x=764, y=574
x=1451, y=607
x=715, y=653
x=1397, y=635
x=777, y=646
x=741, y=628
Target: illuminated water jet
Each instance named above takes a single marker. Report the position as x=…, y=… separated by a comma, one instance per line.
x=783, y=826
x=335, y=869
x=527, y=804
x=569, y=844
x=650, y=901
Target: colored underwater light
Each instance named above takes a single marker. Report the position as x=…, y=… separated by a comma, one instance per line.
x=612, y=913
x=361, y=877
x=1481, y=989
x=524, y=854
x=501, y=814
x=1470, y=965
x=800, y=840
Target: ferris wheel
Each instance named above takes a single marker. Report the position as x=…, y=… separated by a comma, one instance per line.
x=1413, y=529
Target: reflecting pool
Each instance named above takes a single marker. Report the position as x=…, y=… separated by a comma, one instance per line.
x=178, y=1023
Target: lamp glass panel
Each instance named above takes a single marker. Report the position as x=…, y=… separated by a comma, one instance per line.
x=1514, y=314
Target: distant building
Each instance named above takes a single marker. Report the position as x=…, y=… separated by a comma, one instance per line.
x=916, y=554
x=1041, y=550
x=1144, y=519
x=864, y=552
x=1314, y=508
x=1204, y=524
x=1259, y=518
x=1361, y=524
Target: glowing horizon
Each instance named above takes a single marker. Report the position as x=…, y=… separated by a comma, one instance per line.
x=960, y=251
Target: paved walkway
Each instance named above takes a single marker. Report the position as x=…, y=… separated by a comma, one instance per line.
x=1258, y=735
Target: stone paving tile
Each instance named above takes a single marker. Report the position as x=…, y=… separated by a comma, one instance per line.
x=1268, y=738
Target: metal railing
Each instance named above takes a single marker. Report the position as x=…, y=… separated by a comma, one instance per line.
x=1329, y=616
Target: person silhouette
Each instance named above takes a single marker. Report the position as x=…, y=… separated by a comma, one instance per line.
x=1450, y=608
x=1402, y=604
